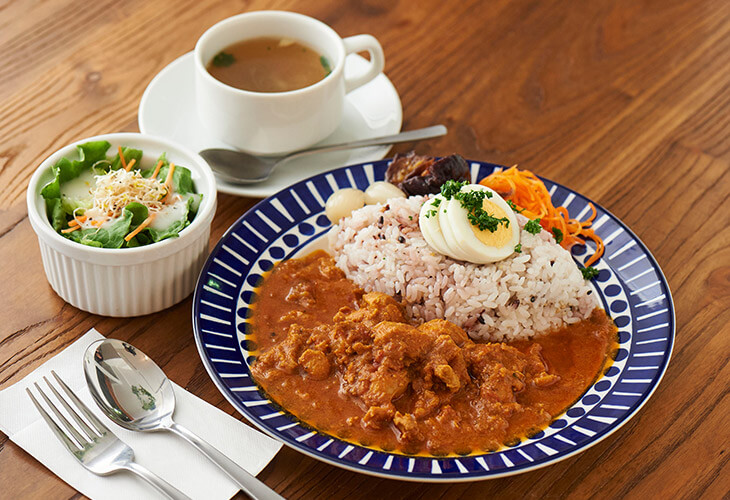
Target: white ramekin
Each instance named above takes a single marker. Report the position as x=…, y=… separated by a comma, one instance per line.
x=126, y=281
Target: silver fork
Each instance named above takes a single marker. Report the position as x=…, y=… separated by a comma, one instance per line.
x=98, y=449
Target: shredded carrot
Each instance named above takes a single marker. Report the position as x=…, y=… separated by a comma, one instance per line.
x=97, y=223
x=529, y=194
x=70, y=229
x=77, y=220
x=168, y=183
x=139, y=228
x=168, y=180
x=130, y=164
x=121, y=157
x=157, y=169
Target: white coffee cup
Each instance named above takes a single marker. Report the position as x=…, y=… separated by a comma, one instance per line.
x=269, y=123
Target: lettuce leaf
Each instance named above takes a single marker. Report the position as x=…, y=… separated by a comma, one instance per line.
x=173, y=230
x=129, y=154
x=56, y=213
x=109, y=237
x=139, y=213
x=162, y=158
x=65, y=169
x=182, y=180
x=194, y=205
x=71, y=204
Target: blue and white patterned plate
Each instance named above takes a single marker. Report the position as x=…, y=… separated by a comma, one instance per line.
x=631, y=286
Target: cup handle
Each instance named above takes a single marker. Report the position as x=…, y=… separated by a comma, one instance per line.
x=359, y=43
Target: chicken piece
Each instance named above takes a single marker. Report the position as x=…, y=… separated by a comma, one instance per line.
x=445, y=361
x=285, y=355
x=294, y=315
x=329, y=270
x=315, y=363
x=399, y=343
x=378, y=417
x=348, y=338
x=426, y=403
x=410, y=436
x=355, y=375
x=374, y=308
x=301, y=294
x=448, y=416
x=404, y=421
x=545, y=379
x=448, y=376
x=537, y=368
x=437, y=327
x=385, y=386
x=319, y=338
x=499, y=370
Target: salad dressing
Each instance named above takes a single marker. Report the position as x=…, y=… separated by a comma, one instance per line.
x=170, y=214
x=79, y=190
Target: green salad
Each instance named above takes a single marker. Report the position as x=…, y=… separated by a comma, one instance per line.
x=117, y=202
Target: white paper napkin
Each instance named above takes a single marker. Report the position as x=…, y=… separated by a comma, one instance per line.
x=163, y=453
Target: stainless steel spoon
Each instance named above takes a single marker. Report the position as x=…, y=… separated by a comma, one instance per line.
x=238, y=167
x=135, y=393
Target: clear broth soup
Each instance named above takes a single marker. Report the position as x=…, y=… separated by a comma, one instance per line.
x=269, y=65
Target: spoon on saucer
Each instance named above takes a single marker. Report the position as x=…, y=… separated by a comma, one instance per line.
x=238, y=167
x=135, y=393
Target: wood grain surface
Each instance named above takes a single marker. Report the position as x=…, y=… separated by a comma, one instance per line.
x=625, y=101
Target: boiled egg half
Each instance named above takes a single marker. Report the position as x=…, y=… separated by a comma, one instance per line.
x=446, y=227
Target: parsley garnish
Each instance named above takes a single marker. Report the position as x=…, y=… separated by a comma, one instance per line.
x=473, y=202
x=435, y=202
x=450, y=188
x=589, y=272
x=325, y=64
x=223, y=59
x=533, y=226
x=484, y=221
x=518, y=248
x=558, y=234
x=514, y=207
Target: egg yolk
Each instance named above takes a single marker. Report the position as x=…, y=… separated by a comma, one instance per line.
x=502, y=235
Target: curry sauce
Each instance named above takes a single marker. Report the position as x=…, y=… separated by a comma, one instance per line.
x=348, y=363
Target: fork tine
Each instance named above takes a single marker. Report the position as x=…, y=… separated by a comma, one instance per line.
x=84, y=426
x=100, y=427
x=70, y=429
x=53, y=425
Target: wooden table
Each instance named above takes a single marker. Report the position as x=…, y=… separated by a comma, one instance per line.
x=626, y=101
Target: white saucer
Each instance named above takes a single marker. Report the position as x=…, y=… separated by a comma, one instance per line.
x=167, y=109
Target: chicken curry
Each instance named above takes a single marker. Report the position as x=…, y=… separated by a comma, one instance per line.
x=348, y=363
